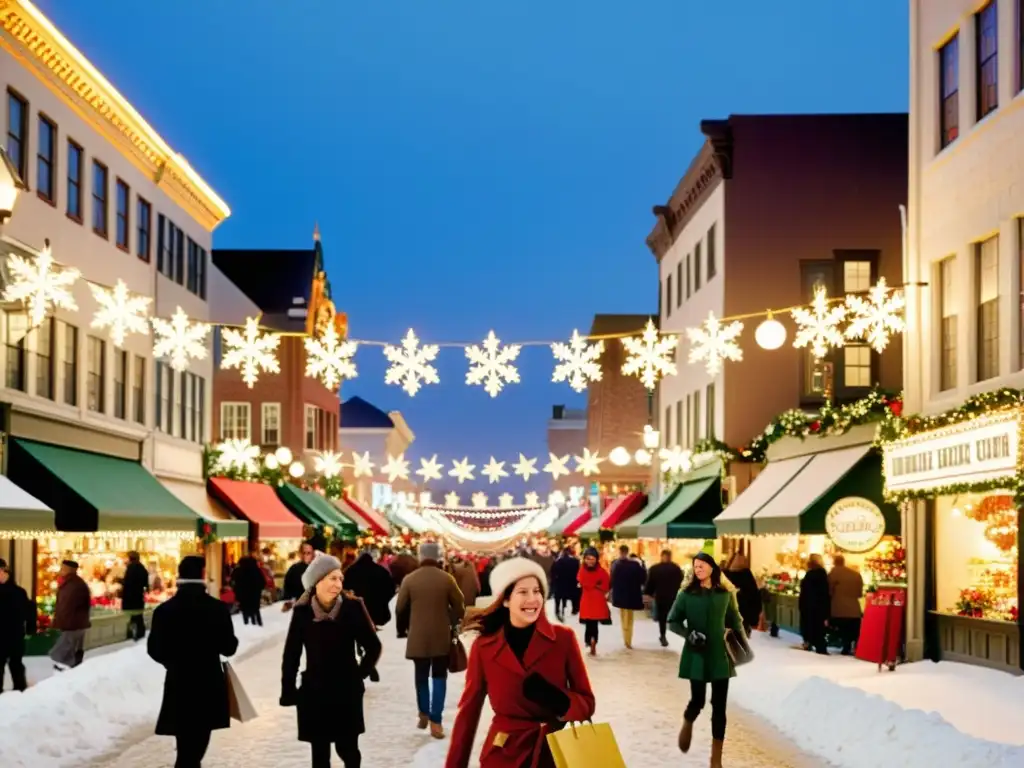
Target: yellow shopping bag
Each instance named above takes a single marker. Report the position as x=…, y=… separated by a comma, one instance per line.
x=588, y=745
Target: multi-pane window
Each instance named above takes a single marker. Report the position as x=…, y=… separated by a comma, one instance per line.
x=69, y=364
x=139, y=390
x=949, y=91
x=311, y=423
x=680, y=434
x=687, y=275
x=17, y=133
x=174, y=402
x=712, y=247
x=200, y=409
x=696, y=418
x=170, y=255
x=856, y=276
x=709, y=414
x=987, y=283
x=144, y=223
x=857, y=356
x=666, y=428
x=46, y=160
x=235, y=421
x=75, y=154
x=159, y=400
x=96, y=352
x=696, y=267
x=122, y=224
x=948, y=329
x=44, y=359
x=986, y=26
x=120, y=384
x=17, y=332
x=270, y=421
x=100, y=183
x=668, y=296
x=187, y=407
x=195, y=414
x=679, y=283
x=179, y=255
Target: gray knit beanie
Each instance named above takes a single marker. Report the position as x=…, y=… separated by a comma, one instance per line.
x=430, y=550
x=321, y=566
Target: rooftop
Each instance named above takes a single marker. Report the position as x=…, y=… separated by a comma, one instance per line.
x=357, y=413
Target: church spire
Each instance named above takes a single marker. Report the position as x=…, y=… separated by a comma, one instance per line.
x=316, y=231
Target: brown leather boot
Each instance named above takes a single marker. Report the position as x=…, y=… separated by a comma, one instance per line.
x=685, y=736
x=424, y=721
x=716, y=753
x=437, y=731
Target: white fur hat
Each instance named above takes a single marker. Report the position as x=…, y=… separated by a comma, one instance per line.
x=321, y=566
x=512, y=570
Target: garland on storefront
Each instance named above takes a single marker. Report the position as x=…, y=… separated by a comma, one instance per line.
x=830, y=420
x=895, y=426
x=329, y=487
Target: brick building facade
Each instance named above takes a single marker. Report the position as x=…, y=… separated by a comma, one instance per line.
x=567, y=435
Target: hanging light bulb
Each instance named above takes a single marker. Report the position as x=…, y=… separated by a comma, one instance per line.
x=619, y=456
x=284, y=455
x=642, y=457
x=297, y=469
x=270, y=461
x=770, y=334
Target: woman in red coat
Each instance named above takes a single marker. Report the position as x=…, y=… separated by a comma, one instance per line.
x=531, y=670
x=594, y=583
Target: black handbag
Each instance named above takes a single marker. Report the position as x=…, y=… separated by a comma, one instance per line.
x=738, y=648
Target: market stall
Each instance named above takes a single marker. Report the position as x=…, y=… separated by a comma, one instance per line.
x=317, y=511
x=961, y=473
x=572, y=518
x=616, y=512
x=366, y=517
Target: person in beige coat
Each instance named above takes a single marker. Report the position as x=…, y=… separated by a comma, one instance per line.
x=431, y=605
x=845, y=587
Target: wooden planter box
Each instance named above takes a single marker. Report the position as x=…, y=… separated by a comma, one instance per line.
x=787, y=612
x=986, y=643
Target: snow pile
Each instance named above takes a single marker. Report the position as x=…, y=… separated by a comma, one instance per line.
x=77, y=716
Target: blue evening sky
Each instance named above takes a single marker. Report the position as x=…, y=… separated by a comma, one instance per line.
x=473, y=165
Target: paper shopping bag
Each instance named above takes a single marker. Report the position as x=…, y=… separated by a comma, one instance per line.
x=239, y=706
x=588, y=745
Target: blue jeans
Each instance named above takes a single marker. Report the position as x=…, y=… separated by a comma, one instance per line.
x=431, y=702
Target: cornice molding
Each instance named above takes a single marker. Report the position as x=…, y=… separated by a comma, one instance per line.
x=29, y=36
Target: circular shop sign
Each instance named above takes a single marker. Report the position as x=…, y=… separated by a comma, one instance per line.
x=855, y=524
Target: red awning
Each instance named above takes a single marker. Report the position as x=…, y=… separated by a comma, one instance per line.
x=366, y=517
x=621, y=509
x=260, y=505
x=576, y=524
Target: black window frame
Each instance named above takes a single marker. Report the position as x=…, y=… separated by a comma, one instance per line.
x=16, y=376
x=712, y=251
x=45, y=360
x=73, y=181
x=18, y=133
x=97, y=378
x=986, y=341
x=120, y=384
x=697, y=257
x=139, y=390
x=122, y=218
x=143, y=228
x=668, y=296
x=986, y=61
x=47, y=193
x=949, y=91
x=100, y=202
x=948, y=341
x=679, y=283
x=69, y=365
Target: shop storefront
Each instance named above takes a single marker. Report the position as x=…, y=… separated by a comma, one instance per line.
x=615, y=512
x=822, y=497
x=318, y=512
x=23, y=520
x=365, y=517
x=572, y=519
x=961, y=474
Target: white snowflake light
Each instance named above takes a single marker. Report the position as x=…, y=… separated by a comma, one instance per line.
x=532, y=499
x=451, y=499
x=330, y=359
x=650, y=356
x=410, y=364
x=430, y=469
x=525, y=468
x=179, y=340
x=589, y=463
x=462, y=470
x=480, y=500
x=362, y=466
x=556, y=466
x=122, y=312
x=251, y=351
x=238, y=455
x=505, y=501
x=396, y=468
x=675, y=460
x=40, y=284
x=328, y=464
x=714, y=343
x=578, y=361
x=876, y=318
x=818, y=327
x=494, y=470
x=491, y=365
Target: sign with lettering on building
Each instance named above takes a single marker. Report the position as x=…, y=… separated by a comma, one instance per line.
x=855, y=524
x=982, y=449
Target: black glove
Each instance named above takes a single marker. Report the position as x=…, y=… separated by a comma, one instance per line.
x=289, y=698
x=540, y=691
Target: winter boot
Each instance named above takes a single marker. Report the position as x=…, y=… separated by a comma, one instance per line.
x=716, y=753
x=437, y=731
x=685, y=736
x=423, y=722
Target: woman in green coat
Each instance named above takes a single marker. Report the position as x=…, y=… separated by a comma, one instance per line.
x=701, y=614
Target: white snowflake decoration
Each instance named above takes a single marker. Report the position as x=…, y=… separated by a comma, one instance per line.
x=39, y=283
x=505, y=501
x=491, y=365
x=650, y=356
x=818, y=327
x=589, y=463
x=396, y=468
x=238, y=455
x=578, y=361
x=330, y=359
x=675, y=460
x=525, y=468
x=480, y=500
x=430, y=469
x=451, y=499
x=876, y=318
x=179, y=340
x=494, y=470
x=462, y=470
x=362, y=465
x=713, y=343
x=122, y=312
x=410, y=364
x=328, y=464
x=251, y=351
x=532, y=499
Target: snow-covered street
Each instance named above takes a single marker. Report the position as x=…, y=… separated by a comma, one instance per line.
x=637, y=692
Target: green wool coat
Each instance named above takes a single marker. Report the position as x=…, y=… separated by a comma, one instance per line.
x=711, y=613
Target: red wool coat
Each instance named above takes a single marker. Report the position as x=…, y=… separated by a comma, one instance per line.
x=517, y=735
x=594, y=599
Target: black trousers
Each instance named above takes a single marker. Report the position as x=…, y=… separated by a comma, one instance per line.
x=590, y=631
x=251, y=614
x=191, y=749
x=347, y=750
x=849, y=632
x=13, y=658
x=435, y=668
x=719, y=700
x=136, y=627
x=662, y=609
x=560, y=604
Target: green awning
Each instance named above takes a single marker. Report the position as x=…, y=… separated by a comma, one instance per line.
x=630, y=528
x=690, y=515
x=315, y=509
x=91, y=492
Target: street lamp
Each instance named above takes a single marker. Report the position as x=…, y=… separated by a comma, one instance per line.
x=10, y=186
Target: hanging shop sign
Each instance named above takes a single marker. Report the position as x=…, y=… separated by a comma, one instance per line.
x=983, y=449
x=855, y=525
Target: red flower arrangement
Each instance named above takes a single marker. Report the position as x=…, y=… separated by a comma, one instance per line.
x=975, y=602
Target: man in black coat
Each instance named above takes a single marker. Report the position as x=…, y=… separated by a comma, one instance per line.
x=628, y=577
x=664, y=581
x=17, y=619
x=190, y=633
x=293, y=577
x=372, y=582
x=564, y=584
x=134, y=587
x=815, y=606
x=248, y=583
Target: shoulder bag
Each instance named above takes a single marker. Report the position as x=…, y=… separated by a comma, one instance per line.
x=457, y=659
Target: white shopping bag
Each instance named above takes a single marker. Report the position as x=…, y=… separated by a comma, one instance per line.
x=239, y=705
